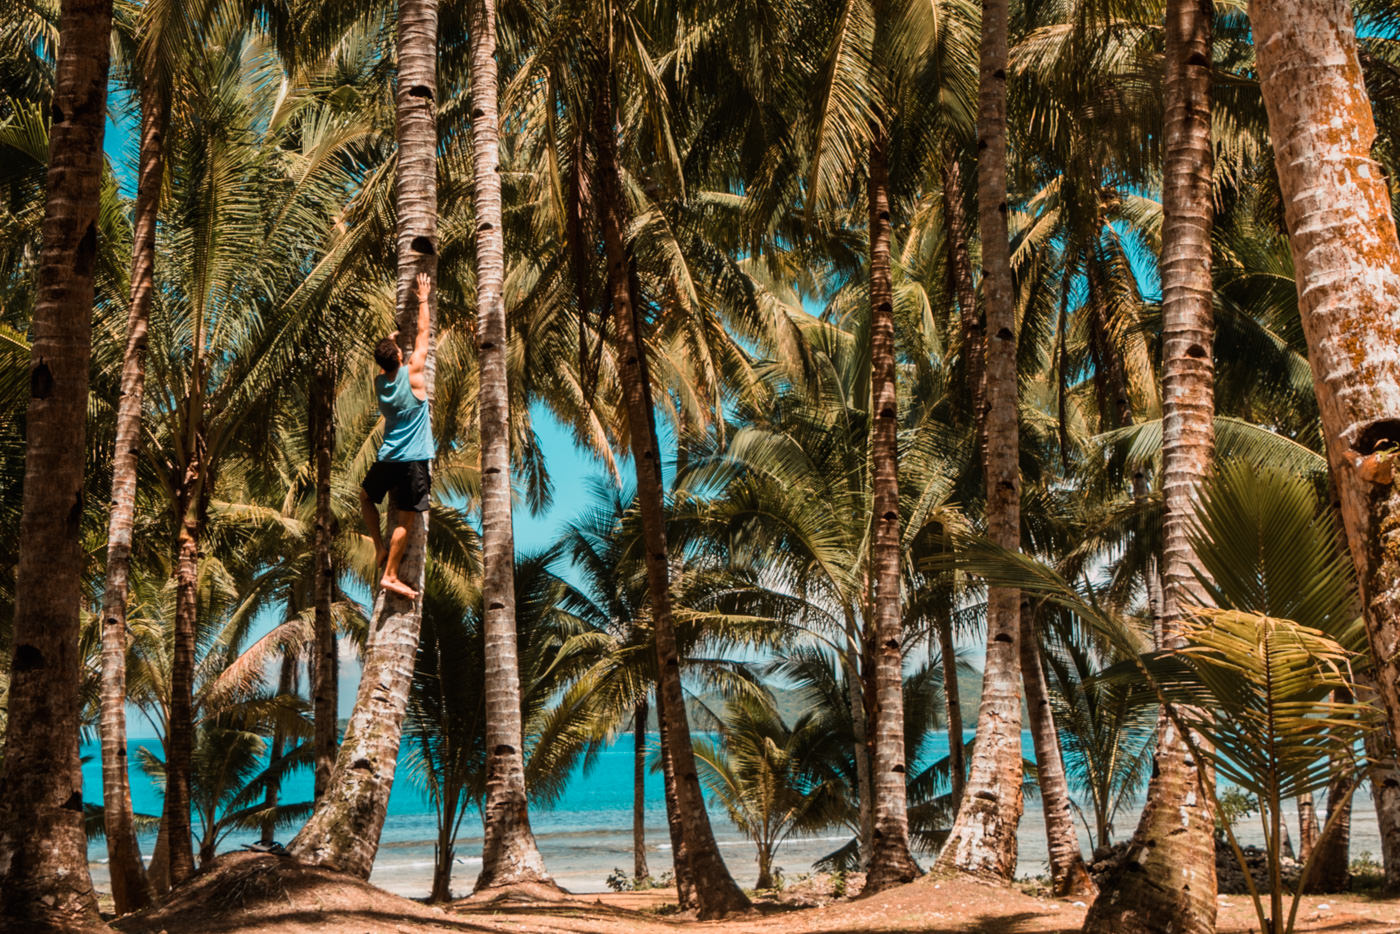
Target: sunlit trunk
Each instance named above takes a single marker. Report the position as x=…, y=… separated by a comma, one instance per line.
x=890, y=860
x=1068, y=874
x=44, y=880
x=1167, y=883
x=343, y=832
x=1346, y=263
x=983, y=838
x=509, y=854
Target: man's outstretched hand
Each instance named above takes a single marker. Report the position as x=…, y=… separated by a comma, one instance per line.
x=425, y=287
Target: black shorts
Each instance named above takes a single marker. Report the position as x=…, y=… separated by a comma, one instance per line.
x=409, y=481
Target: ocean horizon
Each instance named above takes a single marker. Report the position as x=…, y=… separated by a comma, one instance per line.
x=587, y=833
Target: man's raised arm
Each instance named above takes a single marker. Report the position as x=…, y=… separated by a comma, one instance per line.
x=417, y=363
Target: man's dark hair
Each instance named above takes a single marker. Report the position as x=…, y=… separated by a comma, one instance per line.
x=386, y=354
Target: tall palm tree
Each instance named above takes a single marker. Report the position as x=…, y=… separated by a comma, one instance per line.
x=45, y=884
x=1347, y=266
x=717, y=894
x=509, y=854
x=343, y=832
x=983, y=837
x=1172, y=883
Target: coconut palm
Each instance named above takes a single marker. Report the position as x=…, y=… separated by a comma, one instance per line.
x=1308, y=78
x=46, y=882
x=444, y=727
x=343, y=832
x=771, y=778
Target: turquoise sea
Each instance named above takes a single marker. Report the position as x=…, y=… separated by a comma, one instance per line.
x=588, y=832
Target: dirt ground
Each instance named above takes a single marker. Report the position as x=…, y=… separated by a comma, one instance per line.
x=254, y=894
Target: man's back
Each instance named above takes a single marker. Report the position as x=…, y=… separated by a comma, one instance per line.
x=408, y=430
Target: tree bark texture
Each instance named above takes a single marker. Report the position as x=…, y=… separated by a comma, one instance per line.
x=1167, y=883
x=1308, y=827
x=715, y=890
x=1347, y=267
x=974, y=336
x=1068, y=874
x=44, y=880
x=509, y=854
x=343, y=832
x=180, y=732
x=1385, y=791
x=680, y=865
x=983, y=838
x=131, y=890
x=325, y=667
x=891, y=863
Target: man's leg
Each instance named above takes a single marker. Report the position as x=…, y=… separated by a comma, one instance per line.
x=398, y=541
x=370, y=512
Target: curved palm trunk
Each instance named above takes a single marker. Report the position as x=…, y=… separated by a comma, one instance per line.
x=639, y=792
x=680, y=864
x=1168, y=882
x=131, y=890
x=44, y=880
x=890, y=860
x=1347, y=265
x=1068, y=874
x=983, y=838
x=324, y=670
x=509, y=854
x=343, y=831
x=719, y=895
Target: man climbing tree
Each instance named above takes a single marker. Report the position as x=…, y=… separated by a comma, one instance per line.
x=406, y=454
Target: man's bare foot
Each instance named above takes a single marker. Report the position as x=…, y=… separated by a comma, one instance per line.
x=397, y=586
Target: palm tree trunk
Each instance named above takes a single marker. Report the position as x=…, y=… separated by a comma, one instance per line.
x=943, y=625
x=1168, y=883
x=983, y=837
x=639, y=792
x=509, y=855
x=44, y=880
x=324, y=667
x=719, y=895
x=1385, y=791
x=680, y=864
x=286, y=684
x=180, y=734
x=343, y=831
x=890, y=860
x=444, y=852
x=1332, y=873
x=1308, y=827
x=131, y=890
x=1346, y=262
x=1068, y=874
x=860, y=752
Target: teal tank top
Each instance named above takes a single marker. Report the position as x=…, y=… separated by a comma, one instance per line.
x=408, y=427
